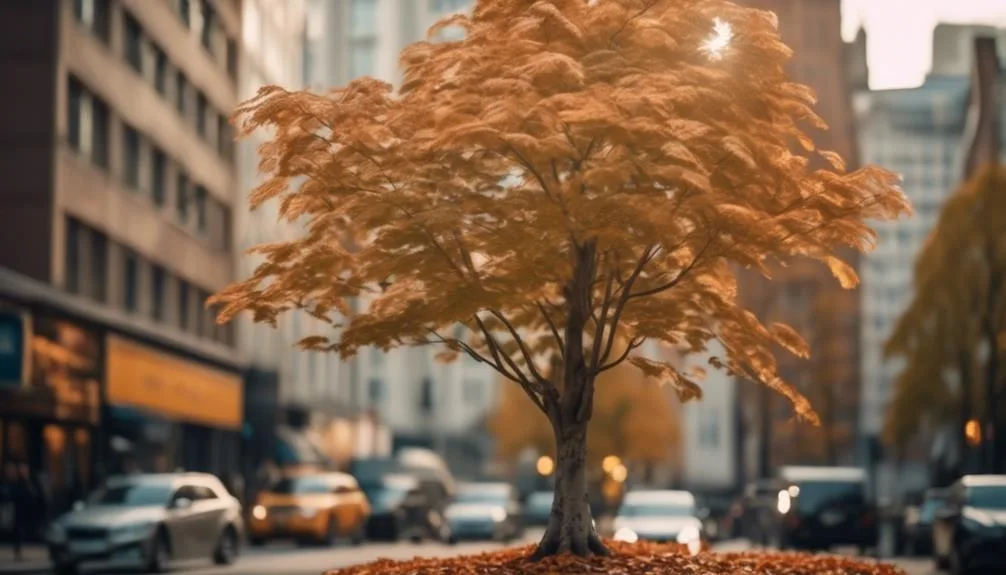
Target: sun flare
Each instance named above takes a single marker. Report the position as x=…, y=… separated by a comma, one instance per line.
x=720, y=39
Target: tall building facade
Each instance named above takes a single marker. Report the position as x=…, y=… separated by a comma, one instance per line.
x=918, y=133
x=116, y=223
x=425, y=403
x=804, y=294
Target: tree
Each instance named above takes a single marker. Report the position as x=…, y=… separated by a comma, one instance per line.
x=958, y=306
x=570, y=173
x=633, y=418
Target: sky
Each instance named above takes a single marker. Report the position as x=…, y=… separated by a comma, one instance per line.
x=899, y=33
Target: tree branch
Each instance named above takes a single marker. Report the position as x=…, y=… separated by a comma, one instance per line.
x=552, y=326
x=536, y=395
x=677, y=279
x=634, y=344
x=623, y=299
x=601, y=322
x=520, y=344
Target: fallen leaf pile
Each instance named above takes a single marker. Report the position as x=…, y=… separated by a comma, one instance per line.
x=634, y=559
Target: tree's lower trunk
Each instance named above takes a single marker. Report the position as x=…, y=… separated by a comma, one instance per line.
x=570, y=526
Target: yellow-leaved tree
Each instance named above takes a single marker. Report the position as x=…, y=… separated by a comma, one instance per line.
x=958, y=305
x=570, y=173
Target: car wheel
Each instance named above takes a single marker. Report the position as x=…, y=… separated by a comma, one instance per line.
x=940, y=563
x=359, y=535
x=159, y=553
x=66, y=569
x=331, y=536
x=227, y=548
x=954, y=563
x=257, y=541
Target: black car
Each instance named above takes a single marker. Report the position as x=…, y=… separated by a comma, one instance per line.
x=824, y=507
x=918, y=530
x=969, y=532
x=401, y=508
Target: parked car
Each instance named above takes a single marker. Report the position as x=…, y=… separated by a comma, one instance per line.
x=969, y=532
x=660, y=516
x=149, y=521
x=824, y=507
x=401, y=508
x=311, y=507
x=918, y=525
x=485, y=511
x=538, y=508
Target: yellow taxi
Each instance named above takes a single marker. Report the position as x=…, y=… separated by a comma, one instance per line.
x=312, y=506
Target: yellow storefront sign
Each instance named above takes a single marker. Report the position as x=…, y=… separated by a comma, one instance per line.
x=140, y=377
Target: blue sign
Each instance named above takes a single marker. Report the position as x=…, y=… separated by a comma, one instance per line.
x=12, y=348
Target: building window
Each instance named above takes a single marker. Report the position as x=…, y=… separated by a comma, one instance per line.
x=160, y=71
x=87, y=123
x=134, y=43
x=93, y=15
x=208, y=33
x=71, y=255
x=204, y=317
x=131, y=156
x=376, y=390
x=363, y=17
x=158, y=173
x=99, y=266
x=361, y=58
x=232, y=59
x=709, y=430
x=182, y=198
x=225, y=140
x=201, y=211
x=158, y=277
x=184, y=11
x=181, y=93
x=201, y=110
x=131, y=280
x=183, y=305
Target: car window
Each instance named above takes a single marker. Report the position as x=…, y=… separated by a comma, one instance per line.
x=814, y=495
x=649, y=509
x=203, y=492
x=929, y=508
x=303, y=485
x=132, y=494
x=987, y=496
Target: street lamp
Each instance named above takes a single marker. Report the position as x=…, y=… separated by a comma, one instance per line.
x=619, y=473
x=609, y=463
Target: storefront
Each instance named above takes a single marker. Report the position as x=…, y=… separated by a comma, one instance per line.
x=50, y=373
x=165, y=412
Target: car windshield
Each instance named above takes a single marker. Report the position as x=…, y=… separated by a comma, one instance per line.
x=657, y=510
x=132, y=495
x=381, y=493
x=814, y=495
x=306, y=485
x=929, y=508
x=540, y=502
x=987, y=496
x=371, y=470
x=482, y=496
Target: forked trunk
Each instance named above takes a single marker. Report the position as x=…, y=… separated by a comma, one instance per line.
x=570, y=526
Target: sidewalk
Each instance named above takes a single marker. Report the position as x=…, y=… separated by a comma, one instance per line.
x=34, y=559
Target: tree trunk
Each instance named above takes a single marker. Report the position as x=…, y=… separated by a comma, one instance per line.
x=570, y=526
x=765, y=432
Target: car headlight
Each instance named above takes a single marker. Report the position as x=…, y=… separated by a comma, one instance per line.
x=259, y=512
x=56, y=533
x=132, y=531
x=627, y=535
x=688, y=534
x=308, y=512
x=499, y=514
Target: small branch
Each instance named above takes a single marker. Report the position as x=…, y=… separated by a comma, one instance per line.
x=636, y=343
x=520, y=343
x=601, y=323
x=527, y=385
x=624, y=299
x=552, y=326
x=677, y=279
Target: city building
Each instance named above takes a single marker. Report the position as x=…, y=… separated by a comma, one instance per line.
x=115, y=226
x=425, y=403
x=918, y=133
x=804, y=294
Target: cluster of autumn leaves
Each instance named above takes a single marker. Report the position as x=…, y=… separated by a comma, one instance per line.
x=952, y=337
x=627, y=558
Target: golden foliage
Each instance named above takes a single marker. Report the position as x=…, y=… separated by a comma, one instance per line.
x=568, y=172
x=959, y=300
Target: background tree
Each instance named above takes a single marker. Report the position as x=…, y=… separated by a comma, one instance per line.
x=958, y=310
x=570, y=173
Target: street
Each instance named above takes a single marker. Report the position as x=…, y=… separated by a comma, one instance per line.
x=289, y=559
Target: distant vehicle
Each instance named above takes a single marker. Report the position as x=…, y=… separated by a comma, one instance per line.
x=425, y=465
x=969, y=532
x=661, y=516
x=538, y=508
x=918, y=526
x=485, y=511
x=149, y=521
x=315, y=507
x=823, y=507
x=401, y=508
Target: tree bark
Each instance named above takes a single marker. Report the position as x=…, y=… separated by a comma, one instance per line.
x=765, y=432
x=570, y=526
